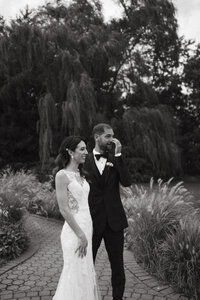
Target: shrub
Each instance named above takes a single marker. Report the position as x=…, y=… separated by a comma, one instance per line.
x=23, y=189
x=20, y=190
x=166, y=246
x=13, y=240
x=10, y=207
x=140, y=168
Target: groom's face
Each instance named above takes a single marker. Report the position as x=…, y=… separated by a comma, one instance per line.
x=104, y=140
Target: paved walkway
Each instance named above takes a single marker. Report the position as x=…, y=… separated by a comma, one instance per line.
x=35, y=274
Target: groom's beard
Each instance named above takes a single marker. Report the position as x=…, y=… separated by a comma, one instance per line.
x=104, y=148
x=109, y=147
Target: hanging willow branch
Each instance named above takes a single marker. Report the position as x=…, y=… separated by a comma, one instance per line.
x=71, y=109
x=151, y=132
x=47, y=112
x=88, y=98
x=79, y=107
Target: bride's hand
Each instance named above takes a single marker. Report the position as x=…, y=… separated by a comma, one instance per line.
x=82, y=246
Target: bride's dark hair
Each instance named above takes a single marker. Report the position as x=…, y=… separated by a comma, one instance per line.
x=63, y=158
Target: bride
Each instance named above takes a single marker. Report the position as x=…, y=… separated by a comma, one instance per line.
x=78, y=278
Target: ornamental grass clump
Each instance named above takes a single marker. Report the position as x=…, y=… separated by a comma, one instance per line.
x=164, y=233
x=153, y=213
x=180, y=257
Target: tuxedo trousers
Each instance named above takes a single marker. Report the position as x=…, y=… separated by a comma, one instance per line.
x=114, y=244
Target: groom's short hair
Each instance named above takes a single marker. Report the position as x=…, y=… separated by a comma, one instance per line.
x=100, y=128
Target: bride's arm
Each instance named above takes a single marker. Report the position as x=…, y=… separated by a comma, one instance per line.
x=62, y=182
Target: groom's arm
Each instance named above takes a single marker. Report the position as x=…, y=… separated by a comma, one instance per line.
x=120, y=165
x=123, y=173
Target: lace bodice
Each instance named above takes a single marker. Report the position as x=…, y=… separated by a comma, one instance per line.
x=77, y=192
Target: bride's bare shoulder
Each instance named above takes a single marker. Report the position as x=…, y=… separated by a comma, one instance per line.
x=62, y=176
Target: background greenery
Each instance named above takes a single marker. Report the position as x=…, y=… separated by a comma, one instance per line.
x=22, y=192
x=63, y=69
x=163, y=217
x=13, y=237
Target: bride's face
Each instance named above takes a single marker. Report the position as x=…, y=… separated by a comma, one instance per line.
x=80, y=153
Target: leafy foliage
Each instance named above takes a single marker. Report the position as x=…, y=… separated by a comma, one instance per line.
x=13, y=240
x=151, y=133
x=74, y=70
x=153, y=47
x=23, y=189
x=190, y=117
x=140, y=168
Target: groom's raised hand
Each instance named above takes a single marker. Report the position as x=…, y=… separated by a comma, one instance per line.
x=118, y=146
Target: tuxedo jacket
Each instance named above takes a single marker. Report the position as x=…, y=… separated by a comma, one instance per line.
x=104, y=197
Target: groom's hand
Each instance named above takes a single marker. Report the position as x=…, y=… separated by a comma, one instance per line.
x=118, y=146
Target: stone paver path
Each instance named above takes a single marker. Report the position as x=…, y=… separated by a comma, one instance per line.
x=35, y=275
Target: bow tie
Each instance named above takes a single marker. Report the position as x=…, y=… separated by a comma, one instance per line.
x=101, y=155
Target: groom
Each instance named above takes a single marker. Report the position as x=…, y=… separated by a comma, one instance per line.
x=106, y=169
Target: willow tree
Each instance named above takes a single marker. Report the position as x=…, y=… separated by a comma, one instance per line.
x=61, y=57
x=152, y=135
x=67, y=78
x=151, y=60
x=76, y=70
x=19, y=48
x=153, y=46
x=79, y=51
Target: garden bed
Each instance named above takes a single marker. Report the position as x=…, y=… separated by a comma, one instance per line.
x=164, y=233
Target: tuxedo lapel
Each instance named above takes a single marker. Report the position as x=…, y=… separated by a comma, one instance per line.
x=105, y=174
x=94, y=168
x=106, y=170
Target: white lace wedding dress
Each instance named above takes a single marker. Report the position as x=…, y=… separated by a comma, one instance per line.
x=78, y=277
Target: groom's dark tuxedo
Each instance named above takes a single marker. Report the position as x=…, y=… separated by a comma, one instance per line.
x=104, y=197
x=107, y=213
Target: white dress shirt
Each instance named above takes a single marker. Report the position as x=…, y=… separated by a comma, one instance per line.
x=102, y=161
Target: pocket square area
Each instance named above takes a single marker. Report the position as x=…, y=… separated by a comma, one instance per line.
x=109, y=164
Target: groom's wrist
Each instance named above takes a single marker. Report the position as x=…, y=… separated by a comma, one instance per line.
x=118, y=154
